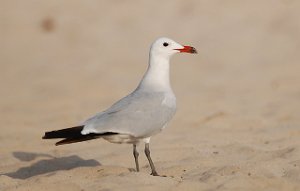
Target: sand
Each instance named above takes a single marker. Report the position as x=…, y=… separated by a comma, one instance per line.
x=237, y=125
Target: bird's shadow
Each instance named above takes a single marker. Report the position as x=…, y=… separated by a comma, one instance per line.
x=44, y=166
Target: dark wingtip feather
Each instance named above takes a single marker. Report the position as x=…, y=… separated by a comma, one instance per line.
x=73, y=135
x=64, y=133
x=82, y=138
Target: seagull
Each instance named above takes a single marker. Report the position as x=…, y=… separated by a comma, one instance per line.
x=141, y=114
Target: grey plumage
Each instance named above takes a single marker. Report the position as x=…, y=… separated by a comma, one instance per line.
x=140, y=114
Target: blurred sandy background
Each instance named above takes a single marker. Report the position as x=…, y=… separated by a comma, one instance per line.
x=237, y=125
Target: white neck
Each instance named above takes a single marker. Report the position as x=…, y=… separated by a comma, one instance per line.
x=157, y=76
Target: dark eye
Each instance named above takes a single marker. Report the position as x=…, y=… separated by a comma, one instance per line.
x=166, y=44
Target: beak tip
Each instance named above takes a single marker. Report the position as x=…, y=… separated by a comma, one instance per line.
x=193, y=50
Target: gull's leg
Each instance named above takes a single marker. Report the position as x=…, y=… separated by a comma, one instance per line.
x=136, y=158
x=147, y=152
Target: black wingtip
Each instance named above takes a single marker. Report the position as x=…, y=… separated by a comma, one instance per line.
x=64, y=133
x=82, y=138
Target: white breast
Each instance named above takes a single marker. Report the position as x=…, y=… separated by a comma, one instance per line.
x=169, y=100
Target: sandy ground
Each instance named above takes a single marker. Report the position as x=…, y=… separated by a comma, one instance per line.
x=237, y=124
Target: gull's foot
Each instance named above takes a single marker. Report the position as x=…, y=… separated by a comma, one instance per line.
x=154, y=173
x=132, y=170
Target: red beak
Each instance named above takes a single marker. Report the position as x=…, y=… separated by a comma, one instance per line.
x=188, y=49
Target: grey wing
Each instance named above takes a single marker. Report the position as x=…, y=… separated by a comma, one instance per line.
x=138, y=114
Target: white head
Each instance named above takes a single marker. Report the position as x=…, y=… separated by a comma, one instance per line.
x=166, y=47
x=157, y=75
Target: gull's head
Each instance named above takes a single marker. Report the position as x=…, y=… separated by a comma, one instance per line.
x=166, y=47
